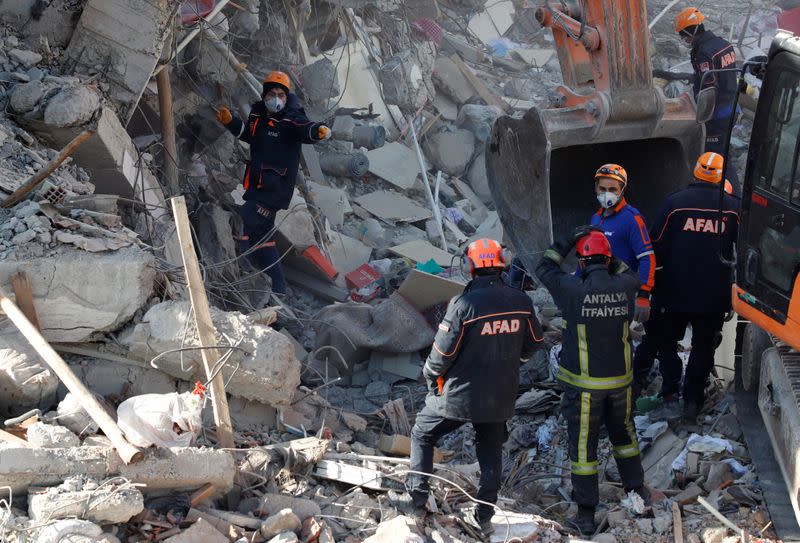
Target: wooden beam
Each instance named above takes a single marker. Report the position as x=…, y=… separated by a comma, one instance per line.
x=202, y=318
x=170, y=153
x=11, y=438
x=479, y=87
x=24, y=297
x=126, y=451
x=677, y=523
x=36, y=179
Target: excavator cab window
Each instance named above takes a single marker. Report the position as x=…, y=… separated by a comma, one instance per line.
x=769, y=237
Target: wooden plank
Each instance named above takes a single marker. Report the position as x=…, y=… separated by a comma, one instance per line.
x=677, y=524
x=202, y=494
x=205, y=327
x=127, y=452
x=479, y=87
x=14, y=440
x=24, y=296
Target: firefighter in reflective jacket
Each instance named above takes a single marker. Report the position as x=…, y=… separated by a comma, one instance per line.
x=688, y=236
x=711, y=52
x=275, y=130
x=473, y=373
x=595, y=367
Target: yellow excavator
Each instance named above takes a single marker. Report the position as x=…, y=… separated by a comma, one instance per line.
x=608, y=110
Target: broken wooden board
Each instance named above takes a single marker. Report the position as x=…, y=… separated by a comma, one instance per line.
x=421, y=251
x=393, y=207
x=423, y=290
x=391, y=163
x=350, y=474
x=400, y=445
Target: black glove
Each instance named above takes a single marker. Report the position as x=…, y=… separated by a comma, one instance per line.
x=673, y=76
x=563, y=245
x=582, y=231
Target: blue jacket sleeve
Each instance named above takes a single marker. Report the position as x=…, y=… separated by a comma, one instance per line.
x=639, y=240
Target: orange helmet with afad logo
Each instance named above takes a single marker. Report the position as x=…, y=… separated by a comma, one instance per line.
x=688, y=17
x=486, y=253
x=277, y=78
x=593, y=244
x=612, y=171
x=709, y=167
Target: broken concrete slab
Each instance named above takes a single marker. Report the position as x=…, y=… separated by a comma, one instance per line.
x=295, y=225
x=79, y=294
x=450, y=151
x=26, y=382
x=408, y=365
x=124, y=40
x=421, y=251
x=451, y=81
x=162, y=469
x=51, y=436
x=392, y=163
x=400, y=528
x=267, y=371
x=201, y=530
x=493, y=21
x=272, y=503
x=478, y=179
x=333, y=202
x=320, y=80
x=393, y=207
x=108, y=504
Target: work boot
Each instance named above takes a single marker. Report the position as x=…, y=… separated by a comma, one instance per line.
x=484, y=526
x=690, y=412
x=670, y=411
x=584, y=520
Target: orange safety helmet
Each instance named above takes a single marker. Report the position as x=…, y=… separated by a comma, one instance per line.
x=593, y=244
x=277, y=78
x=688, y=17
x=485, y=253
x=709, y=167
x=612, y=171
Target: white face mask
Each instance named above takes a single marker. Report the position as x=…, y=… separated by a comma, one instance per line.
x=608, y=199
x=274, y=104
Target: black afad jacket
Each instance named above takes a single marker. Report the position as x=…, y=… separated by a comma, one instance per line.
x=597, y=306
x=275, y=144
x=473, y=368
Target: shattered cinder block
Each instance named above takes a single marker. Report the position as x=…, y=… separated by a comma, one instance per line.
x=263, y=368
x=107, y=504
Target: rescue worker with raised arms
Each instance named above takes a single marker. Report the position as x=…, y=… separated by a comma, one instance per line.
x=473, y=373
x=595, y=367
x=275, y=129
x=694, y=284
x=711, y=52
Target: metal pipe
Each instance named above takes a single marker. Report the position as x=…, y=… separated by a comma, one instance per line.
x=436, y=215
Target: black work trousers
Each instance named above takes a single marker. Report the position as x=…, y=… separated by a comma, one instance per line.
x=259, y=222
x=716, y=133
x=489, y=438
x=586, y=411
x=706, y=328
x=647, y=351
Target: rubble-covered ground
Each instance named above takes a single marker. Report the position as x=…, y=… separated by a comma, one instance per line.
x=323, y=383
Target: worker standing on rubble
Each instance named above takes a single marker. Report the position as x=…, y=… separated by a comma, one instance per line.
x=625, y=229
x=473, y=374
x=694, y=284
x=275, y=129
x=595, y=367
x=711, y=52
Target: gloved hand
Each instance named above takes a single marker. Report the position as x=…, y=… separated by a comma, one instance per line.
x=323, y=132
x=642, y=311
x=581, y=231
x=224, y=115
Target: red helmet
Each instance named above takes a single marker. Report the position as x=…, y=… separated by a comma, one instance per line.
x=593, y=244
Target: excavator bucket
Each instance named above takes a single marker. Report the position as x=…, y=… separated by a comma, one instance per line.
x=541, y=167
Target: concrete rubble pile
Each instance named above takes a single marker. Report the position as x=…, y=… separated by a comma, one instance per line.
x=322, y=384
